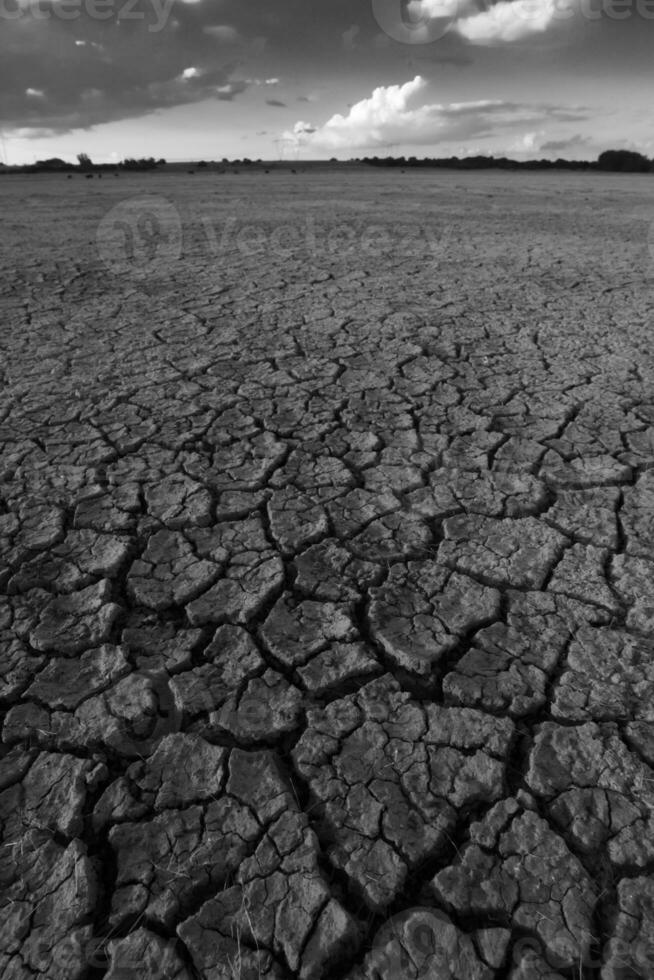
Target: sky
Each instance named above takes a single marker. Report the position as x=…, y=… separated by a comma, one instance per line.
x=208, y=79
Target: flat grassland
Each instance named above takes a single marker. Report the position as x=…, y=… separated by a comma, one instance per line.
x=327, y=571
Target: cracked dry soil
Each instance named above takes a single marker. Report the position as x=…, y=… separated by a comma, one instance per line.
x=327, y=584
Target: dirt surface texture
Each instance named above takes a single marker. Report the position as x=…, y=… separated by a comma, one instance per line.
x=327, y=574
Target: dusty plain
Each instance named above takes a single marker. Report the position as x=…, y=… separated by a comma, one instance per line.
x=327, y=572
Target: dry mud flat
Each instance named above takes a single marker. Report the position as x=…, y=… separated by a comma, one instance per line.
x=327, y=579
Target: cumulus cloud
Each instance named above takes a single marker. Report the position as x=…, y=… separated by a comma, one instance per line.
x=509, y=21
x=504, y=21
x=395, y=114
x=372, y=121
x=301, y=129
x=528, y=143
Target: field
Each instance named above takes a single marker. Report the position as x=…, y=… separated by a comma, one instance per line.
x=327, y=571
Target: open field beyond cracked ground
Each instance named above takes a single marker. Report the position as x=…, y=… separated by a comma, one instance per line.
x=327, y=580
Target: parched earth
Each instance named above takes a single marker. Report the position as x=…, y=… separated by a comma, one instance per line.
x=327, y=580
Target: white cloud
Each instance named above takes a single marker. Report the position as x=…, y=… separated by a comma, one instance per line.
x=396, y=115
x=302, y=129
x=509, y=21
x=387, y=117
x=528, y=142
x=503, y=22
x=370, y=121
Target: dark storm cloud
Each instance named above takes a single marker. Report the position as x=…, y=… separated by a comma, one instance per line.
x=569, y=145
x=95, y=62
x=91, y=71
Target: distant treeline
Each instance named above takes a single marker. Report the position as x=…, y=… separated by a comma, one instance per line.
x=84, y=165
x=614, y=161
